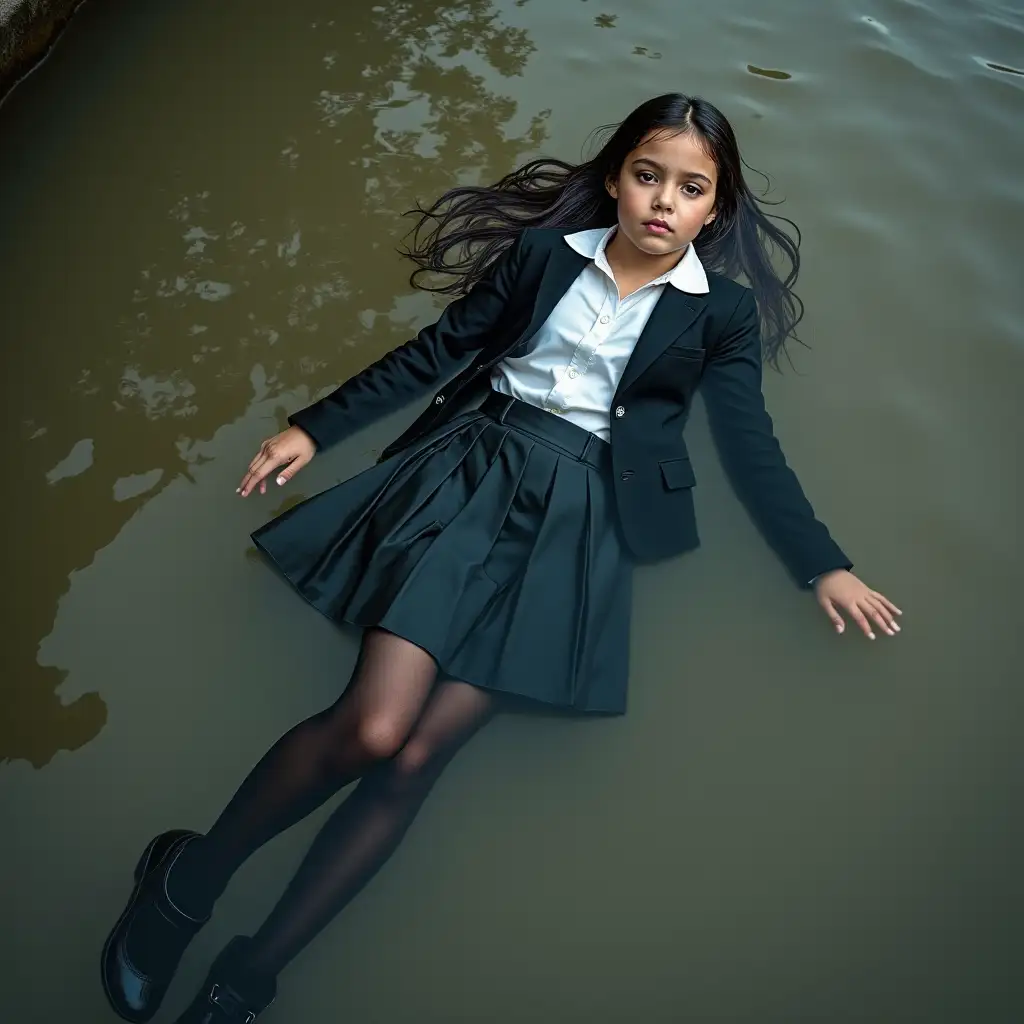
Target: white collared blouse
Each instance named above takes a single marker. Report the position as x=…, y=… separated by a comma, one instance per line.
x=579, y=354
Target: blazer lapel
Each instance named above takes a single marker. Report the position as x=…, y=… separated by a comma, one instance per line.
x=673, y=315
x=562, y=266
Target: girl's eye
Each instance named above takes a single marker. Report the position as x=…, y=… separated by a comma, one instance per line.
x=692, y=190
x=646, y=177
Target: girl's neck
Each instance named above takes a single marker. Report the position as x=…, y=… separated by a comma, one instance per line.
x=632, y=267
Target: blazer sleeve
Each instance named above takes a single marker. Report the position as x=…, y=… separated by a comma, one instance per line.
x=419, y=366
x=751, y=454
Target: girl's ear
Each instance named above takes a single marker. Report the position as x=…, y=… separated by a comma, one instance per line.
x=612, y=185
x=710, y=217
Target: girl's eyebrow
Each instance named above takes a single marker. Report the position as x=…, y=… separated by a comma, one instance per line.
x=661, y=169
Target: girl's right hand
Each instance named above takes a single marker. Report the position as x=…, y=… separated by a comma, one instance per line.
x=291, y=449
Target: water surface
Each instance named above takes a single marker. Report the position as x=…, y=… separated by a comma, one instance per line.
x=198, y=216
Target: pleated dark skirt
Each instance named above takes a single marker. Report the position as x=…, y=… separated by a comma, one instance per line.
x=492, y=543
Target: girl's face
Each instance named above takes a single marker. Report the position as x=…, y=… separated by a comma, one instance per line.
x=665, y=192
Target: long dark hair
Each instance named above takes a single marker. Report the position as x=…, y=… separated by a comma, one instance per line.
x=461, y=233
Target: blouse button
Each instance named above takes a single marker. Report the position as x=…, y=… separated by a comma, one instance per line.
x=605, y=319
x=620, y=411
x=573, y=374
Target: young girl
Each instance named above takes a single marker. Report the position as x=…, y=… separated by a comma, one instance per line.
x=488, y=554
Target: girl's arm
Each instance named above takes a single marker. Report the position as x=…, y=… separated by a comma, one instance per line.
x=750, y=452
x=419, y=366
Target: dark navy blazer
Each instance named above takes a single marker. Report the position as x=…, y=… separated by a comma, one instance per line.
x=709, y=341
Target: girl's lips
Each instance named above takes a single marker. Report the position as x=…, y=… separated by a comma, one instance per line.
x=656, y=229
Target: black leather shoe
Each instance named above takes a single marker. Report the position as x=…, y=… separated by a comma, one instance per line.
x=232, y=992
x=142, y=953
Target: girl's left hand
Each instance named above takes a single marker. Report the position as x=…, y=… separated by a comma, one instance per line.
x=841, y=589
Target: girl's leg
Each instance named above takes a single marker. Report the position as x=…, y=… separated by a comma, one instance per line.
x=367, y=828
x=367, y=725
x=181, y=874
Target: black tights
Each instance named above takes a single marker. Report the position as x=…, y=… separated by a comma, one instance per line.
x=395, y=728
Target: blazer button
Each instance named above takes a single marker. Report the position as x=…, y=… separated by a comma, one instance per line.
x=439, y=400
x=620, y=411
x=625, y=474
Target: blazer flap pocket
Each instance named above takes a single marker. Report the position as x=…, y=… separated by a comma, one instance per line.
x=677, y=473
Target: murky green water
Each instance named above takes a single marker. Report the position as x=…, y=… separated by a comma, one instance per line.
x=198, y=213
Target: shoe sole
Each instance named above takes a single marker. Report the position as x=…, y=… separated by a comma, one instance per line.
x=141, y=869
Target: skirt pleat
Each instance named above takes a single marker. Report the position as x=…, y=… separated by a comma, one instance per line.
x=485, y=544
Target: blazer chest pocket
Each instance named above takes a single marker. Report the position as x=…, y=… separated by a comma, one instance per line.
x=677, y=473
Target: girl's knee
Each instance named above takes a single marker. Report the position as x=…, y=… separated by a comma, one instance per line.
x=415, y=760
x=380, y=737
x=413, y=771
x=407, y=775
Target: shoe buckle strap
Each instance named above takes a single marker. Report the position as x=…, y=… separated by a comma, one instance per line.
x=229, y=1002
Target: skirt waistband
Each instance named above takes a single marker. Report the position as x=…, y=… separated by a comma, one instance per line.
x=580, y=444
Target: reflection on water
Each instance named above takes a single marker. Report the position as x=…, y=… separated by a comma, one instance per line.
x=186, y=329
x=1003, y=67
x=198, y=234
x=780, y=76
